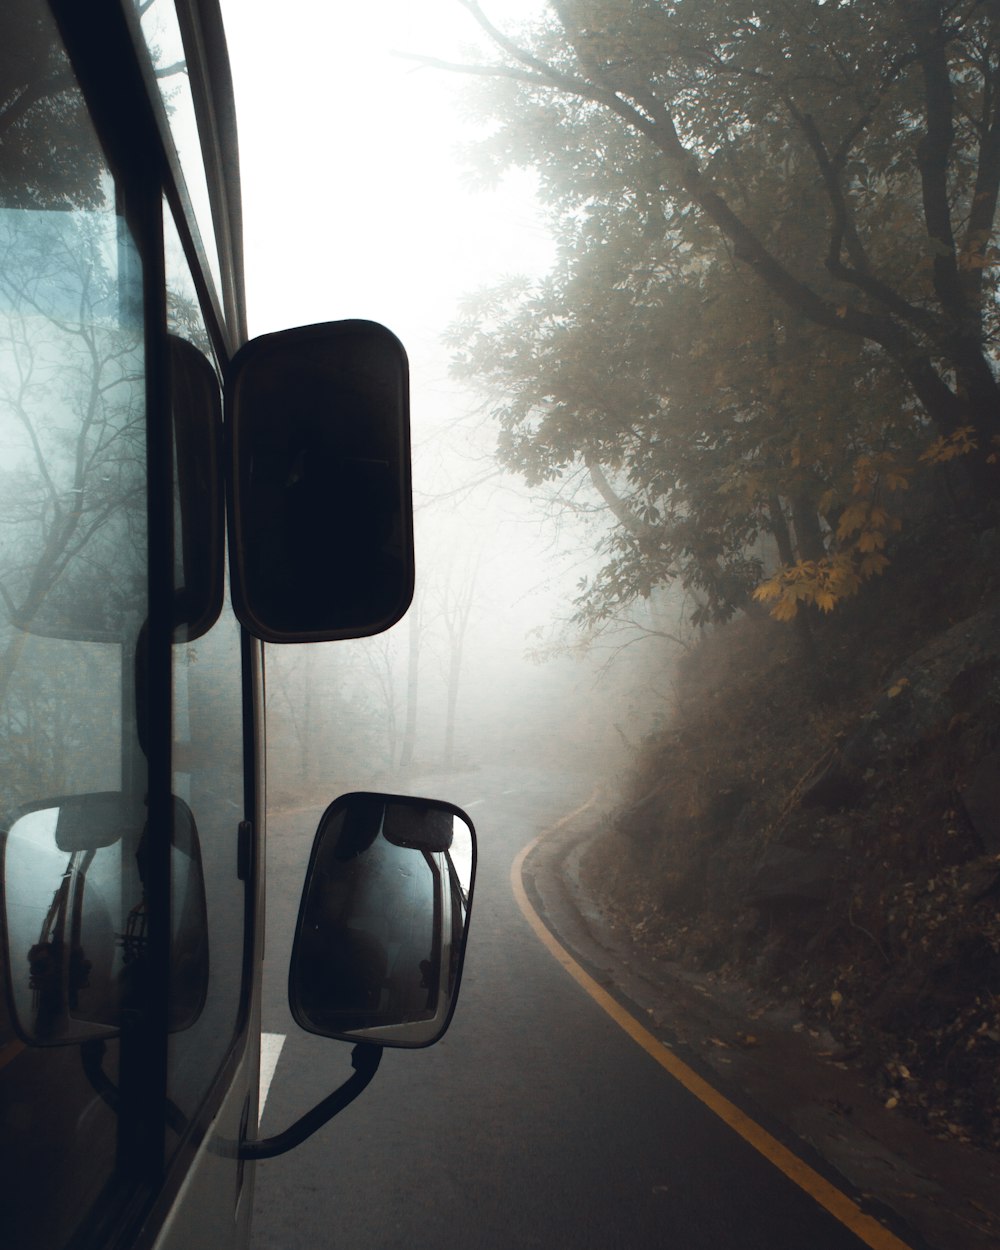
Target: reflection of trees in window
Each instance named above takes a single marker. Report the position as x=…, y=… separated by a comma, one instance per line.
x=184, y=316
x=73, y=450
x=72, y=455
x=60, y=726
x=49, y=155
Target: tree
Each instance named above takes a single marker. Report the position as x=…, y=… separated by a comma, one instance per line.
x=74, y=435
x=799, y=196
x=456, y=595
x=702, y=420
x=51, y=155
x=72, y=498
x=413, y=630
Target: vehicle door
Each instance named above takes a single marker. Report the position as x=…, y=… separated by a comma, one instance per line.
x=128, y=1036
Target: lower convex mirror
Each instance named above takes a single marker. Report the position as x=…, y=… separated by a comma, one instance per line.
x=75, y=921
x=383, y=922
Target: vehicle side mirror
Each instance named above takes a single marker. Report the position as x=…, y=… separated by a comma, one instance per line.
x=75, y=922
x=383, y=922
x=321, y=511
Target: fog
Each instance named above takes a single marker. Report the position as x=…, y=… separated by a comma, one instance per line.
x=482, y=671
x=358, y=203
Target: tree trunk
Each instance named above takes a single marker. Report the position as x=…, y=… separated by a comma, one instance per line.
x=808, y=535
x=780, y=530
x=801, y=623
x=454, y=675
x=412, y=689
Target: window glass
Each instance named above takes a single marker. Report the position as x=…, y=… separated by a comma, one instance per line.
x=162, y=33
x=73, y=598
x=208, y=708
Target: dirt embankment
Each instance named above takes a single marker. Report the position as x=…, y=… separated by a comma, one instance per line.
x=822, y=825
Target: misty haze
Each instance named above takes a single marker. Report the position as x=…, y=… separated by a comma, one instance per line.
x=700, y=305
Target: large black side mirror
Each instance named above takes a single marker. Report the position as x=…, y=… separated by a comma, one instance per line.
x=382, y=927
x=321, y=513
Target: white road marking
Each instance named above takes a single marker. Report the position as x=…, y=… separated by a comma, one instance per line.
x=270, y=1049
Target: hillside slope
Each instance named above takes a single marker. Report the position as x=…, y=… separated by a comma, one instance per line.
x=822, y=824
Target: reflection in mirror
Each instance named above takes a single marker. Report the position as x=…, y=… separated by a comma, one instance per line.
x=75, y=578
x=384, y=919
x=75, y=918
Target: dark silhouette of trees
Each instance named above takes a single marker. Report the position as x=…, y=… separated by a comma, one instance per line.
x=774, y=308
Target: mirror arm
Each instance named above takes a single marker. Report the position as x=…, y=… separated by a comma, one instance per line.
x=365, y=1059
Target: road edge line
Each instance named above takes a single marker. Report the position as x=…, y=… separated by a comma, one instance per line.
x=843, y=1208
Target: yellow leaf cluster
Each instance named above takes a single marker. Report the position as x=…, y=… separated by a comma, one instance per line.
x=853, y=518
x=866, y=525
x=862, y=530
x=821, y=583
x=881, y=469
x=871, y=540
x=827, y=501
x=872, y=565
x=950, y=447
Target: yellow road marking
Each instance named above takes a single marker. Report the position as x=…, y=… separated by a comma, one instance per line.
x=839, y=1205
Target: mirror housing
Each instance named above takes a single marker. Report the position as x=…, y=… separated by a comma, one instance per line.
x=197, y=411
x=382, y=928
x=321, y=513
x=87, y=602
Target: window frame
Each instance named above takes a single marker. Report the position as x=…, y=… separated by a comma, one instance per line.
x=127, y=113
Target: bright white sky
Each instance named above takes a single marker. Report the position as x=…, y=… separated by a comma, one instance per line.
x=355, y=200
x=357, y=203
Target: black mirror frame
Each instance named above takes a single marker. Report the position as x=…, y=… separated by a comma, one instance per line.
x=253, y=354
x=406, y=799
x=197, y=416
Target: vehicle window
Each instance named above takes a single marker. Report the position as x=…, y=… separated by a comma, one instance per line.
x=73, y=598
x=162, y=32
x=208, y=714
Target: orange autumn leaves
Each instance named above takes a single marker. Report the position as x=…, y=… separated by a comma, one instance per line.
x=860, y=531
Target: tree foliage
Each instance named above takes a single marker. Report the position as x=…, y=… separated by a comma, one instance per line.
x=775, y=304
x=51, y=156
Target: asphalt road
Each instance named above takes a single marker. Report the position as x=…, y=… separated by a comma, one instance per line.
x=536, y=1122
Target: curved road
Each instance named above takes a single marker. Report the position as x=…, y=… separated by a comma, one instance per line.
x=536, y=1122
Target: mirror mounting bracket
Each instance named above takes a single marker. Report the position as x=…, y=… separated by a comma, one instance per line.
x=365, y=1058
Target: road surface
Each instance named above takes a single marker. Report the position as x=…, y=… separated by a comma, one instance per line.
x=538, y=1121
